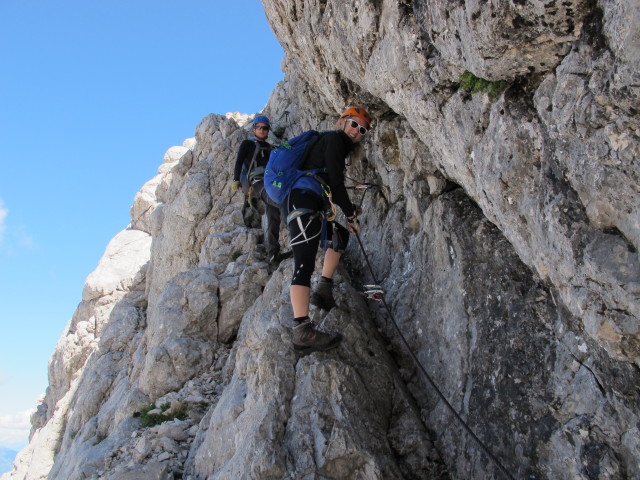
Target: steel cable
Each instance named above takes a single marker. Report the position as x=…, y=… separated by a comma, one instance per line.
x=435, y=387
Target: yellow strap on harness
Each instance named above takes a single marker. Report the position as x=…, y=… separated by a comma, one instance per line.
x=331, y=212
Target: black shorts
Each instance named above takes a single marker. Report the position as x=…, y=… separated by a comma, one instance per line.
x=307, y=228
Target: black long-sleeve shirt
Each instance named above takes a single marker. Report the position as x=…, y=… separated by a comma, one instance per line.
x=330, y=152
x=245, y=154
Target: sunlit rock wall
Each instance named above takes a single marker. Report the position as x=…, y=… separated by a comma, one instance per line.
x=503, y=228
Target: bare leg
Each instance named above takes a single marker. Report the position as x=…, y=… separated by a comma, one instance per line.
x=331, y=260
x=300, y=300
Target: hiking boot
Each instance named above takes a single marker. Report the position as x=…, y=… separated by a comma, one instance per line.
x=307, y=339
x=285, y=255
x=276, y=258
x=322, y=296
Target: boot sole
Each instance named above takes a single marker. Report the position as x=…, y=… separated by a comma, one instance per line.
x=303, y=349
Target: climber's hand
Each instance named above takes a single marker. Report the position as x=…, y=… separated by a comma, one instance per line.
x=353, y=224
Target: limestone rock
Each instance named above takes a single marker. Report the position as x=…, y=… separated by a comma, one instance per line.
x=502, y=227
x=121, y=265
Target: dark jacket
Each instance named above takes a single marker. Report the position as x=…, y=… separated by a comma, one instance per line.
x=245, y=154
x=330, y=152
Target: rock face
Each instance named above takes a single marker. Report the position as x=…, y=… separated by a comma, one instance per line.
x=504, y=230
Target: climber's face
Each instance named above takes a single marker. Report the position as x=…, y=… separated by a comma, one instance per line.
x=355, y=128
x=261, y=131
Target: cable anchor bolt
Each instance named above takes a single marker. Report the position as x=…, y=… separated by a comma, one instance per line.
x=363, y=187
x=373, y=292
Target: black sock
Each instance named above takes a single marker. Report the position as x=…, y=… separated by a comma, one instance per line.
x=300, y=320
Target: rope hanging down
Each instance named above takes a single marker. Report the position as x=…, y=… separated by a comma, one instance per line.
x=378, y=294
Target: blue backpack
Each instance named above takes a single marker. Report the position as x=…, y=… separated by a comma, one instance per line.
x=283, y=173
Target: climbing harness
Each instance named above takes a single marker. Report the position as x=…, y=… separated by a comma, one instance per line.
x=296, y=216
x=373, y=291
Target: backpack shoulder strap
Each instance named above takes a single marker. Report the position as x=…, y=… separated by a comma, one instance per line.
x=258, y=148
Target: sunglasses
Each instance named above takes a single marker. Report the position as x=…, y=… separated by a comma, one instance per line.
x=354, y=124
x=260, y=127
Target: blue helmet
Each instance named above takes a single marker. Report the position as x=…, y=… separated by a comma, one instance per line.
x=261, y=119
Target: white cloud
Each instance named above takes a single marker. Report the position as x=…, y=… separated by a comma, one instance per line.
x=14, y=429
x=3, y=215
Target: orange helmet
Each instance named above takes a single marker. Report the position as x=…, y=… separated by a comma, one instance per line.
x=357, y=111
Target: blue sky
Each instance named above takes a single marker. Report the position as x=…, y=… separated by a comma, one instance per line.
x=91, y=96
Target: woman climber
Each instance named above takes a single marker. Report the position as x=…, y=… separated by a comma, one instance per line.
x=310, y=218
